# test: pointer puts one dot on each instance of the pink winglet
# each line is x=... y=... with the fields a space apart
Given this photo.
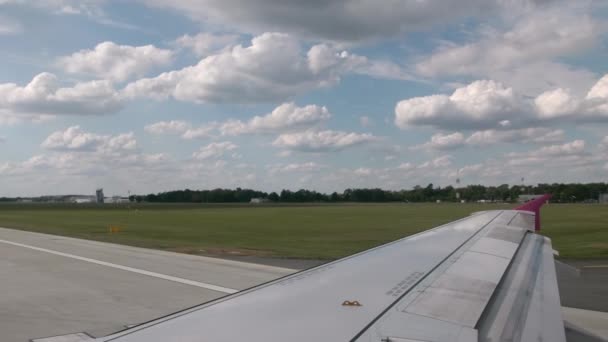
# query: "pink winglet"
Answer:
x=534 y=206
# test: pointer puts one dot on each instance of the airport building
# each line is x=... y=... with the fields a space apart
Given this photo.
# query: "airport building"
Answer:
x=99 y=195
x=603 y=198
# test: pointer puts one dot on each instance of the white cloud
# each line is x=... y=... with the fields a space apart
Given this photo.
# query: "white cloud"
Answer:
x=343 y=20
x=573 y=151
x=168 y=127
x=273 y=68
x=75 y=139
x=285 y=117
x=200 y=132
x=556 y=103
x=439 y=162
x=296 y=168
x=321 y=141
x=44 y=95
x=538 y=135
x=534 y=78
x=441 y=141
x=479 y=104
x=524 y=55
x=406 y=166
x=330 y=58
x=204 y=44
x=182 y=128
x=214 y=150
x=490 y=105
x=115 y=62
x=573 y=147
x=539 y=36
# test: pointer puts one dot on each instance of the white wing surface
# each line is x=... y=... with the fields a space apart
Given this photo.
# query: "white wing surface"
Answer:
x=487 y=277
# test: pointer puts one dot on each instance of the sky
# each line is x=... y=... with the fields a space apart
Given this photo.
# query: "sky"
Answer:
x=153 y=95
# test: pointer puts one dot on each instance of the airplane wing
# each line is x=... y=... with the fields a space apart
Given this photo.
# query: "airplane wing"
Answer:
x=487 y=277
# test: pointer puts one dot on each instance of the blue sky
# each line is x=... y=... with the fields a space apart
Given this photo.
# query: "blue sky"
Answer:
x=156 y=95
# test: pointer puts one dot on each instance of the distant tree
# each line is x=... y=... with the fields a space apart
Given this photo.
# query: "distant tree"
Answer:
x=273 y=197
x=430 y=193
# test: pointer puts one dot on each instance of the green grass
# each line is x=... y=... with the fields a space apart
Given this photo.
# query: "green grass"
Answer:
x=293 y=231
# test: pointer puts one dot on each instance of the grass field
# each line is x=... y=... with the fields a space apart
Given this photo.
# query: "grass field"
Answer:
x=302 y=231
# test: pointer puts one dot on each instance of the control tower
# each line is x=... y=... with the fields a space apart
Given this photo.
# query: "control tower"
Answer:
x=99 y=195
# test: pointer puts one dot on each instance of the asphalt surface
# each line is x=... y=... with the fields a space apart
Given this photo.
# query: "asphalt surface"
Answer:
x=583 y=284
x=53 y=285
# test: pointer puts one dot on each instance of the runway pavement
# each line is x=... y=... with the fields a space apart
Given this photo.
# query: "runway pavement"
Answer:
x=52 y=285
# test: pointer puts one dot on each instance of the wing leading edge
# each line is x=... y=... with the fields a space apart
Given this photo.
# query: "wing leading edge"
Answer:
x=486 y=277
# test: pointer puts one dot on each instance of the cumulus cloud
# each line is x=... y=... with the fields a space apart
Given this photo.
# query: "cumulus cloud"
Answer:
x=488 y=104
x=480 y=104
x=343 y=20
x=573 y=152
x=536 y=135
x=44 y=95
x=273 y=68
x=573 y=147
x=182 y=128
x=200 y=132
x=322 y=141
x=296 y=167
x=439 y=162
x=524 y=55
x=73 y=171
x=540 y=135
x=115 y=62
x=285 y=117
x=539 y=36
x=75 y=139
x=441 y=141
x=204 y=44
x=168 y=127
x=214 y=150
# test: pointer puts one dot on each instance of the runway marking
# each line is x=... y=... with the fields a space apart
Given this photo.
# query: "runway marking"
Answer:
x=127 y=268
x=596 y=266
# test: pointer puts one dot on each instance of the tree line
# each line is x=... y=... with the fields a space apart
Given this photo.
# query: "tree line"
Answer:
x=564 y=193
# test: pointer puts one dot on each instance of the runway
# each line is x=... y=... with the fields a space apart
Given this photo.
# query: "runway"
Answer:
x=52 y=285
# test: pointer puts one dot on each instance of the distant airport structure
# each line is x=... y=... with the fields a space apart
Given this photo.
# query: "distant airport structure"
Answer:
x=80 y=199
x=99 y=196
x=117 y=199
x=603 y=198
